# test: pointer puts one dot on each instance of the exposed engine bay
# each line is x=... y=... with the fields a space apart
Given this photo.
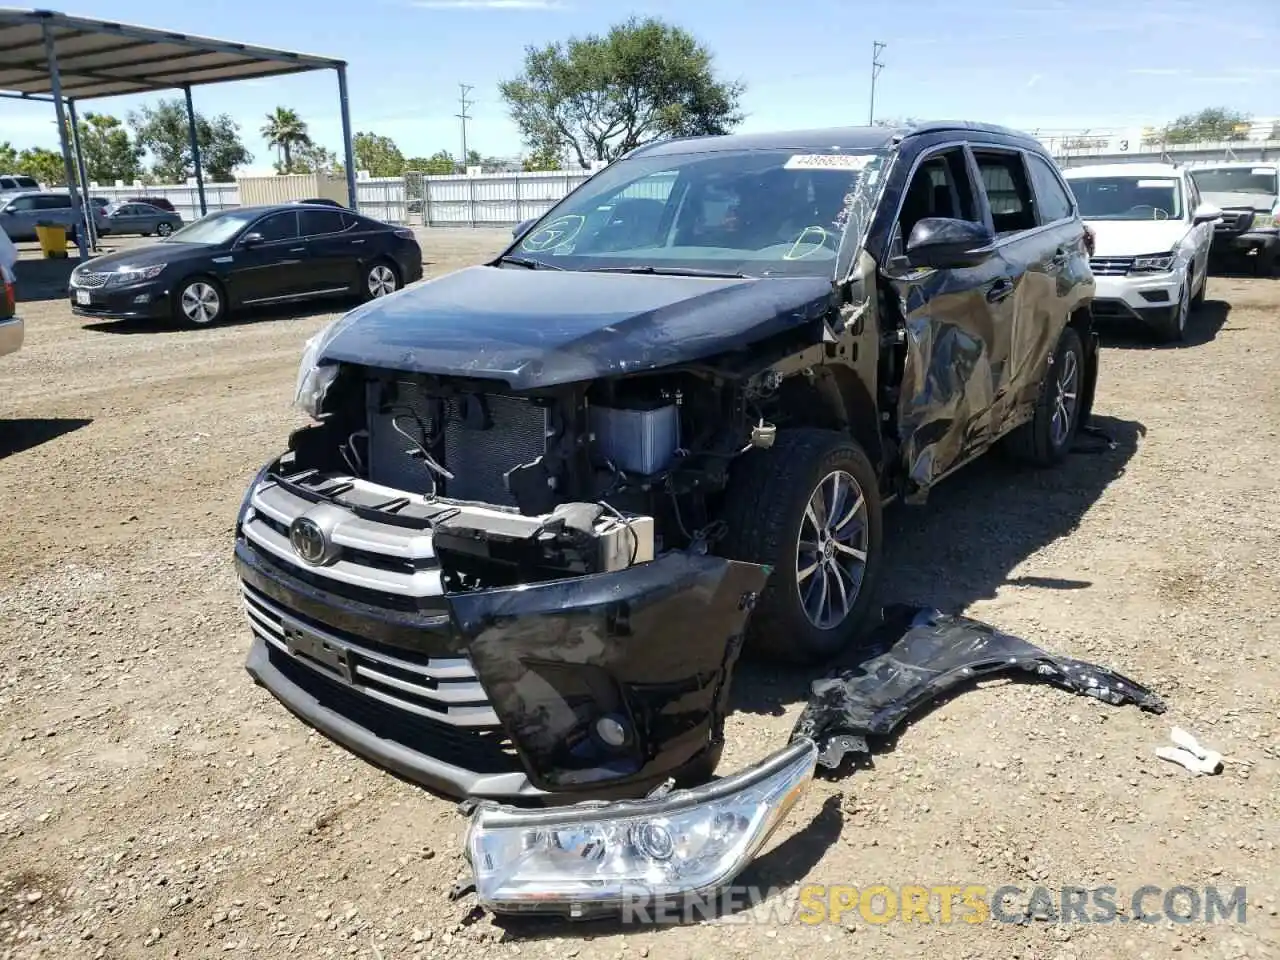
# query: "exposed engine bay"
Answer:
x=565 y=481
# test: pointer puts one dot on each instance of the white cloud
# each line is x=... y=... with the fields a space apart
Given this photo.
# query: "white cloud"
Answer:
x=1158 y=71
x=489 y=4
x=1034 y=79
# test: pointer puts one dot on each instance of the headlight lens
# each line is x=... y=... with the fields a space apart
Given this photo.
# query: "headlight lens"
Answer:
x=134 y=274
x=1157 y=263
x=594 y=858
x=1264 y=221
x=313 y=380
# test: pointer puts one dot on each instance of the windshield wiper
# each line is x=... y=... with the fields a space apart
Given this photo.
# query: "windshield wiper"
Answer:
x=531 y=264
x=671 y=271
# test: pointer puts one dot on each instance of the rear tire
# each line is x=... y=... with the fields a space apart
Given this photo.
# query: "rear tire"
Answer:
x=163 y=229
x=381 y=279
x=824 y=572
x=1045 y=440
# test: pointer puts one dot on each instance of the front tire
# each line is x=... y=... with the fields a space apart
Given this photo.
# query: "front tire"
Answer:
x=380 y=279
x=1173 y=328
x=809 y=507
x=199 y=302
x=1045 y=440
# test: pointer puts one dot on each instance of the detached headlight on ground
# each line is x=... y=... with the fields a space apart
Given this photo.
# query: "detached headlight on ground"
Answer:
x=594 y=858
x=1157 y=263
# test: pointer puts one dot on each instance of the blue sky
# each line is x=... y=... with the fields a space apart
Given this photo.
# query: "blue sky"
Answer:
x=1047 y=64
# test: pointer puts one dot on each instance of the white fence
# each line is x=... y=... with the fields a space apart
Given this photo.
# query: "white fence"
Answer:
x=503 y=199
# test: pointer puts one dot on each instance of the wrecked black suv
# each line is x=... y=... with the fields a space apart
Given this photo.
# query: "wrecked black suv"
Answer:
x=546 y=500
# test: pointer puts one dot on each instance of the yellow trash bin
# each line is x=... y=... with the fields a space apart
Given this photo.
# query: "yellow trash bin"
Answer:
x=53 y=239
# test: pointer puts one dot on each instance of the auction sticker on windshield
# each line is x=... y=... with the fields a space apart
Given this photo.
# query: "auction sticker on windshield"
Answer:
x=828 y=161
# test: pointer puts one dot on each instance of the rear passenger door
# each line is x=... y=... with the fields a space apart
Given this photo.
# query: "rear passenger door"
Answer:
x=333 y=250
x=1029 y=253
x=956 y=347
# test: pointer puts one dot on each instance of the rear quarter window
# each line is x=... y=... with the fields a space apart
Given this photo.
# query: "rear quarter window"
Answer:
x=1053 y=202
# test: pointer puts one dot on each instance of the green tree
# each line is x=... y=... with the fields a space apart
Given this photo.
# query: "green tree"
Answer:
x=45 y=165
x=286 y=132
x=1213 y=123
x=377 y=154
x=8 y=157
x=440 y=162
x=162 y=131
x=603 y=96
x=109 y=154
x=313 y=158
x=544 y=158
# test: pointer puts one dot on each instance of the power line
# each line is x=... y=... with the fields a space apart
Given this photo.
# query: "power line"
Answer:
x=464 y=117
x=877 y=47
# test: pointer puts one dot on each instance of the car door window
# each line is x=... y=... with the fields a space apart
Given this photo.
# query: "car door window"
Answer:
x=1004 y=179
x=279 y=226
x=940 y=187
x=1053 y=202
x=23 y=204
x=8 y=183
x=318 y=223
x=52 y=203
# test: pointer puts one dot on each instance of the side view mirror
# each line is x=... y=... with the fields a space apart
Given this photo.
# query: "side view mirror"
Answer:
x=943 y=243
x=1206 y=213
x=521 y=228
x=251 y=239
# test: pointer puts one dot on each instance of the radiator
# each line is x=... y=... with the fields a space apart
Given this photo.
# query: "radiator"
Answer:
x=477 y=457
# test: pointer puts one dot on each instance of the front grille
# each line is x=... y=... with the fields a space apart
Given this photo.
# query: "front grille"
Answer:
x=91 y=281
x=444 y=690
x=1234 y=221
x=478 y=449
x=481 y=751
x=1110 y=266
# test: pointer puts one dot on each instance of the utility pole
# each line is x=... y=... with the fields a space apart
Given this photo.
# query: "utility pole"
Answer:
x=464 y=117
x=877 y=47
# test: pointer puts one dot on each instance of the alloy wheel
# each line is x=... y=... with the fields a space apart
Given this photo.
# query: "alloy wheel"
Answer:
x=200 y=302
x=382 y=280
x=1065 y=398
x=831 y=550
x=164 y=229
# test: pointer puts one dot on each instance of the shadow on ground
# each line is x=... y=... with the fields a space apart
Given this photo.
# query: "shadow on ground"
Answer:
x=315 y=308
x=961 y=546
x=19 y=435
x=1202 y=327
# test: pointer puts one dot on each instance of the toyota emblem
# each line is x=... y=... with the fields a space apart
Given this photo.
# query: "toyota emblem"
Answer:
x=308 y=540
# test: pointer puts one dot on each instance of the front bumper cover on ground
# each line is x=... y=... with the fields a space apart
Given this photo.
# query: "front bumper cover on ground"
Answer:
x=917 y=655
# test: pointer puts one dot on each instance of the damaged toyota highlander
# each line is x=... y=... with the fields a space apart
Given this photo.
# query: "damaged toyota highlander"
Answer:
x=548 y=500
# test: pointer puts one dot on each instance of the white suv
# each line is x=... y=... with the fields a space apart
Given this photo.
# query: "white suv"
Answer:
x=1152 y=236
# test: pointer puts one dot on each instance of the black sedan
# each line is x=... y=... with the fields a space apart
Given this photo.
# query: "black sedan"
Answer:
x=247 y=257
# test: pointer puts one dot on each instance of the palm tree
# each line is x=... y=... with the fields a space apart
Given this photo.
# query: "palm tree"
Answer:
x=285 y=130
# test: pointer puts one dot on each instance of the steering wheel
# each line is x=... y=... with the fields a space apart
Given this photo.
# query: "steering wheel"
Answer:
x=810 y=240
x=1156 y=212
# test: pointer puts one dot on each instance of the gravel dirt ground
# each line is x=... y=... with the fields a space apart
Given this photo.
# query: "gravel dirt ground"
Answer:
x=155 y=803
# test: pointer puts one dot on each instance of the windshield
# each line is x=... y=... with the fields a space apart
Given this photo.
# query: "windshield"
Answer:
x=1259 y=180
x=1127 y=198
x=755 y=212
x=215 y=228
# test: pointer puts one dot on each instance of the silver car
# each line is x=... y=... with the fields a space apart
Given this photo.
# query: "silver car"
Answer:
x=142 y=218
x=12 y=184
x=20 y=213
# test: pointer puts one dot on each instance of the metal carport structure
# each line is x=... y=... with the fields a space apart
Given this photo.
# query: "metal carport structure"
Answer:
x=52 y=57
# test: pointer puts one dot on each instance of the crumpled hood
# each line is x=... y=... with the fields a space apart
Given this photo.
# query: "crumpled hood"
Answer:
x=535 y=328
x=1135 y=238
x=1241 y=201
